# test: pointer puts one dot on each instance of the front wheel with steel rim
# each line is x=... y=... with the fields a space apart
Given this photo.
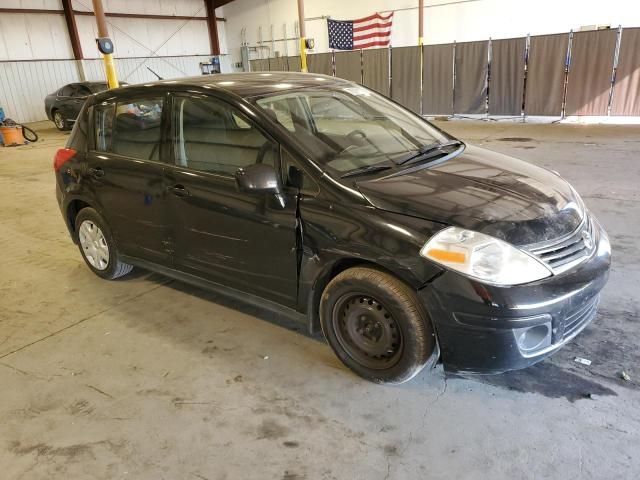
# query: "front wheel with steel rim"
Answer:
x=97 y=246
x=59 y=121
x=376 y=325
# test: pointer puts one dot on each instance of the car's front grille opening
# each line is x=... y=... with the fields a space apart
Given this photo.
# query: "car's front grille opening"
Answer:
x=568 y=251
x=579 y=318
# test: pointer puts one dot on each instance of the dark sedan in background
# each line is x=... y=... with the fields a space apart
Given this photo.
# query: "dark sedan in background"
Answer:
x=63 y=105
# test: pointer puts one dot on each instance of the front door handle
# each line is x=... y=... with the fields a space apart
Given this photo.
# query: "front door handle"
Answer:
x=179 y=190
x=96 y=172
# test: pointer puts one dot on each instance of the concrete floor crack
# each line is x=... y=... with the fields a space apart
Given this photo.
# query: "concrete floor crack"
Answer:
x=23 y=372
x=388 y=469
x=439 y=395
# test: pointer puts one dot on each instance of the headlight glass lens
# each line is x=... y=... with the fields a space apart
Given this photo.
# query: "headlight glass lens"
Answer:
x=483 y=257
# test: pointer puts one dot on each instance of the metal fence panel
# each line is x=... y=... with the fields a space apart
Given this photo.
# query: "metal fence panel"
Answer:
x=278 y=64
x=320 y=63
x=626 y=93
x=589 y=82
x=294 y=63
x=506 y=82
x=471 y=77
x=348 y=66
x=261 y=65
x=375 y=70
x=545 y=74
x=437 y=80
x=405 y=77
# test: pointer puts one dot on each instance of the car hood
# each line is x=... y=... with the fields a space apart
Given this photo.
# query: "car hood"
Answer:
x=484 y=191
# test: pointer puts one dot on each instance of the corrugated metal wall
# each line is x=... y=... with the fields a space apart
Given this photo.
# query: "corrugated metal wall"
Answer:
x=30 y=36
x=25 y=36
x=25 y=84
x=36 y=54
x=134 y=70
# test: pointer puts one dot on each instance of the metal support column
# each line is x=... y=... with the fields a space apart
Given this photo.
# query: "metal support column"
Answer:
x=212 y=26
x=103 y=32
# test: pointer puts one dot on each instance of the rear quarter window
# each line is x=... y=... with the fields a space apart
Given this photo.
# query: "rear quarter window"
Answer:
x=78 y=138
x=103 y=126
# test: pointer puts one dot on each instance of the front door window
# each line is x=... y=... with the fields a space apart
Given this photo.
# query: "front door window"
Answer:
x=212 y=137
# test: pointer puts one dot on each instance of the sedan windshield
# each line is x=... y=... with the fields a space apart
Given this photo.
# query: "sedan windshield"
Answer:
x=351 y=128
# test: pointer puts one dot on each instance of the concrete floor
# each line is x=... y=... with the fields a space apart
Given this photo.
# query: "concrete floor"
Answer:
x=147 y=378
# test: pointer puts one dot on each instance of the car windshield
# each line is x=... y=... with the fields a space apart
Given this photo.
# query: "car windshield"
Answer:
x=350 y=128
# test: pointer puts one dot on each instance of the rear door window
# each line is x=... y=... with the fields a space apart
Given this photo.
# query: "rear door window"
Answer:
x=131 y=129
x=136 y=130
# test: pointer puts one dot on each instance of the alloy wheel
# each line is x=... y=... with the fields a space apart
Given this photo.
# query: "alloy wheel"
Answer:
x=58 y=120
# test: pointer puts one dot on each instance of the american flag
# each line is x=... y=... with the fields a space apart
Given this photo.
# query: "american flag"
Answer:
x=371 y=31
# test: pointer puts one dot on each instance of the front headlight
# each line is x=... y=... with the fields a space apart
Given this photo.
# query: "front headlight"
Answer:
x=483 y=257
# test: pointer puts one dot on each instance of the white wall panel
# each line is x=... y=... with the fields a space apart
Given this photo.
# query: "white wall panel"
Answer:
x=29 y=36
x=25 y=84
x=42 y=4
x=134 y=37
x=149 y=7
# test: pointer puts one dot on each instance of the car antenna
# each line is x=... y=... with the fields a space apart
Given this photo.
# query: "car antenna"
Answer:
x=159 y=77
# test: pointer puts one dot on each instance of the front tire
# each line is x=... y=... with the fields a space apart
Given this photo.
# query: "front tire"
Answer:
x=377 y=326
x=97 y=246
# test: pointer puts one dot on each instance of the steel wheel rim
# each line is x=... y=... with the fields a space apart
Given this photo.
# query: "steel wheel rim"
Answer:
x=94 y=245
x=367 y=331
x=58 y=120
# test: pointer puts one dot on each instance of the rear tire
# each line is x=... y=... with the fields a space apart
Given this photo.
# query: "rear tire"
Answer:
x=97 y=247
x=377 y=326
x=60 y=122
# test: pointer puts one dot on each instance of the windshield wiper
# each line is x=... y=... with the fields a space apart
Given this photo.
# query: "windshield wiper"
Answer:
x=365 y=169
x=428 y=151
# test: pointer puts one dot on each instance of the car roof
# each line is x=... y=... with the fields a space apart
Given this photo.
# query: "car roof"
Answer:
x=247 y=84
x=86 y=83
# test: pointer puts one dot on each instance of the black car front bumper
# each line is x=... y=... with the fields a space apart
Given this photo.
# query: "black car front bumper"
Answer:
x=489 y=329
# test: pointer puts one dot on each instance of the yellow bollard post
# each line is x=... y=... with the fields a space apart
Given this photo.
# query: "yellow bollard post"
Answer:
x=303 y=39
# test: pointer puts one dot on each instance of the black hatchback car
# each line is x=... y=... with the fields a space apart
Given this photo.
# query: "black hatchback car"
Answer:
x=323 y=199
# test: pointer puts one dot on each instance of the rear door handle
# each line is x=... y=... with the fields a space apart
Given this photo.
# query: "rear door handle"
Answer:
x=96 y=172
x=179 y=190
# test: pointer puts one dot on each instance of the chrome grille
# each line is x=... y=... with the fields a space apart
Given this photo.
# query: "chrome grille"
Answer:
x=562 y=254
x=578 y=319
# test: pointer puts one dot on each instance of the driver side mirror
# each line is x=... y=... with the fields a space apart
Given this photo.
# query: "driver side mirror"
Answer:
x=260 y=178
